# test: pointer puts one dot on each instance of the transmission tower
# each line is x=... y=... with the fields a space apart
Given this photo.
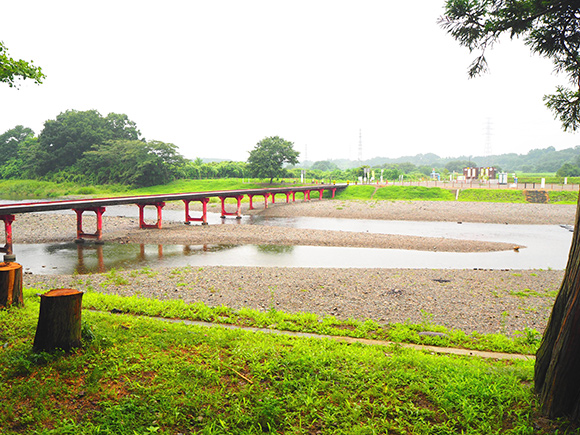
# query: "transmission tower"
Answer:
x=360 y=145
x=487 y=132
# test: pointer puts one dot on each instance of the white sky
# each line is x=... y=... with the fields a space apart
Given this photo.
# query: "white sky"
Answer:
x=216 y=77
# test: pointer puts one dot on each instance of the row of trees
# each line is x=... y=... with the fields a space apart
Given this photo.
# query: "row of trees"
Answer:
x=89 y=148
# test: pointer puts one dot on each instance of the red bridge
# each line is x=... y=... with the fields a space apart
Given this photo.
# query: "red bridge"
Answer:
x=98 y=206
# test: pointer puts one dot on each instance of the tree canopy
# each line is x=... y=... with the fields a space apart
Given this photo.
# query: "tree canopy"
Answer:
x=12 y=70
x=64 y=140
x=132 y=162
x=89 y=148
x=550 y=28
x=268 y=157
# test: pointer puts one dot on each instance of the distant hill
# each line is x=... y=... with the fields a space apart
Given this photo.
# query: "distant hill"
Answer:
x=537 y=160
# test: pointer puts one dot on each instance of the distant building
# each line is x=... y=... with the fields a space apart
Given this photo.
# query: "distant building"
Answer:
x=481 y=173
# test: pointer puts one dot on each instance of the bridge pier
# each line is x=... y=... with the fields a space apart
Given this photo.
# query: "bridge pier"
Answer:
x=97 y=235
x=203 y=218
x=265 y=195
x=238 y=213
x=7 y=249
x=157 y=225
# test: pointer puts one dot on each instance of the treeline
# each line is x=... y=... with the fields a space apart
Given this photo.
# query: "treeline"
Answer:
x=535 y=161
x=87 y=148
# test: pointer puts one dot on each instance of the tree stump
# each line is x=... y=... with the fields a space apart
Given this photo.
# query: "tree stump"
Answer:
x=10 y=285
x=59 y=322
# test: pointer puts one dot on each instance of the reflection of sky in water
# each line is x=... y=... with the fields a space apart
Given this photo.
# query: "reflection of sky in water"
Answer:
x=547 y=246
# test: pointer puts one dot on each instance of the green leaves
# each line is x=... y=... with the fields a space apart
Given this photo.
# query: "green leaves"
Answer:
x=12 y=70
x=565 y=104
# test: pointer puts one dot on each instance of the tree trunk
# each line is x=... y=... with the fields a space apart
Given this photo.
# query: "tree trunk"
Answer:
x=59 y=322
x=10 y=285
x=557 y=369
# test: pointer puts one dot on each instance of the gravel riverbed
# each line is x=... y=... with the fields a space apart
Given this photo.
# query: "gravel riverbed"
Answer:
x=470 y=300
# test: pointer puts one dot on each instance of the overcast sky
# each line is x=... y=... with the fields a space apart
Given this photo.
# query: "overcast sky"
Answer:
x=216 y=77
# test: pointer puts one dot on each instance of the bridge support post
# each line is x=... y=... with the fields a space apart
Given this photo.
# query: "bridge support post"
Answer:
x=266 y=195
x=238 y=213
x=251 y=203
x=203 y=218
x=81 y=235
x=307 y=195
x=333 y=192
x=320 y=192
x=7 y=249
x=157 y=225
x=293 y=196
x=287 y=196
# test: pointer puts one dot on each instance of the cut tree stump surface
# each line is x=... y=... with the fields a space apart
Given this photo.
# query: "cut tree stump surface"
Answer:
x=61 y=292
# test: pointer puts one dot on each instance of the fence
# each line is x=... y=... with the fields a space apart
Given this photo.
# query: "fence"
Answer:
x=487 y=185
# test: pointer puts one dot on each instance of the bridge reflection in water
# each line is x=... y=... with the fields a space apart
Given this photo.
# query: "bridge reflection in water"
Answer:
x=97 y=258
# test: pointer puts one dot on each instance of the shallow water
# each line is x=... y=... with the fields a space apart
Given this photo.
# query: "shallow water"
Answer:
x=547 y=247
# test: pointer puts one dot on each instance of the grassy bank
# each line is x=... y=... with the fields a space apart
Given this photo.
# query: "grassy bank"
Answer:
x=524 y=342
x=32 y=189
x=142 y=376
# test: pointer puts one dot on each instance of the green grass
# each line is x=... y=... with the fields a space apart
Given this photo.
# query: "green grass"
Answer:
x=411 y=193
x=33 y=189
x=356 y=192
x=185 y=186
x=563 y=197
x=489 y=195
x=550 y=178
x=142 y=376
x=525 y=342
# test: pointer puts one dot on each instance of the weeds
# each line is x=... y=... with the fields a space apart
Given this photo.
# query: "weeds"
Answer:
x=114 y=278
x=308 y=322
